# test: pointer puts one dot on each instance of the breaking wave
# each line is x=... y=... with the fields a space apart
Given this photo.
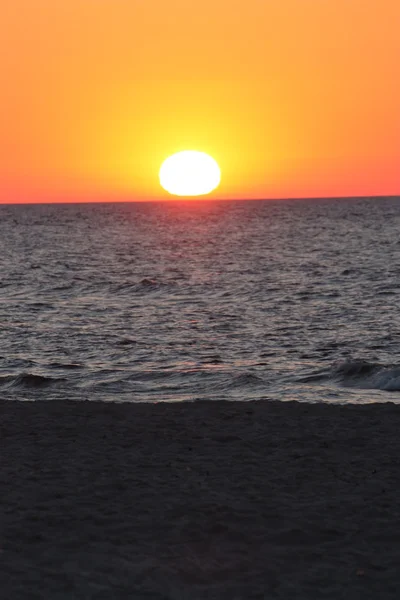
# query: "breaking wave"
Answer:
x=359 y=374
x=29 y=380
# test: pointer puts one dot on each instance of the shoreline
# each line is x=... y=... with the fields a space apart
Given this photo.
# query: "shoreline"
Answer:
x=199 y=500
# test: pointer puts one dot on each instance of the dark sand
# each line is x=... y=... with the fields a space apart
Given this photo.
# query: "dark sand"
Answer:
x=199 y=501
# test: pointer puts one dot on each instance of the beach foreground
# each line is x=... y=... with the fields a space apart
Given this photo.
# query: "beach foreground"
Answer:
x=199 y=500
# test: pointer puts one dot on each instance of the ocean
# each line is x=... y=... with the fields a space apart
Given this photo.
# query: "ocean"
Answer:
x=184 y=301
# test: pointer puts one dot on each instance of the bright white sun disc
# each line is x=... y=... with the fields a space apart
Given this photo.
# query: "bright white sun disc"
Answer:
x=190 y=173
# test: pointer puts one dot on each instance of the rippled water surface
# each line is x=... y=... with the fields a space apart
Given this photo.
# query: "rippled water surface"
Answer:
x=183 y=301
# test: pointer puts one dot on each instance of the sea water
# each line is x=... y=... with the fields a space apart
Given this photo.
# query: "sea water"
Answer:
x=180 y=301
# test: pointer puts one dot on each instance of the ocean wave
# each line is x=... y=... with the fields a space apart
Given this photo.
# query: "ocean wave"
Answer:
x=246 y=380
x=359 y=374
x=29 y=380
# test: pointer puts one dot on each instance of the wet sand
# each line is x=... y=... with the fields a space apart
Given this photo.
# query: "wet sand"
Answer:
x=199 y=501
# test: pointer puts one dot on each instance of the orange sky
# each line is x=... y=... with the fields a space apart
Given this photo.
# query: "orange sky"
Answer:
x=291 y=97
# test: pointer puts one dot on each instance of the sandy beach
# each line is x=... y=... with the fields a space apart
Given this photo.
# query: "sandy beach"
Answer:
x=196 y=501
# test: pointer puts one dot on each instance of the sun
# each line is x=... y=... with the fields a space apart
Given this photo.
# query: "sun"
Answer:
x=189 y=173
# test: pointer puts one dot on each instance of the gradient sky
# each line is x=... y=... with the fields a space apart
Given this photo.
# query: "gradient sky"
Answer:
x=291 y=97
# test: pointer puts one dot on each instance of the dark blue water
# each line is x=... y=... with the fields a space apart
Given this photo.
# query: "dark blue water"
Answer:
x=284 y=300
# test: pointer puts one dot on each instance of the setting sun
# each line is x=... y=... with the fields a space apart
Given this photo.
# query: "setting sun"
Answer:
x=190 y=173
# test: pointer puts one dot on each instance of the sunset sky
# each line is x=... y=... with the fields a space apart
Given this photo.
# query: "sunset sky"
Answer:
x=293 y=98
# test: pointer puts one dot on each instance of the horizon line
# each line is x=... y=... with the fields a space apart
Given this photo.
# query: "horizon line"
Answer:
x=202 y=199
